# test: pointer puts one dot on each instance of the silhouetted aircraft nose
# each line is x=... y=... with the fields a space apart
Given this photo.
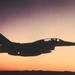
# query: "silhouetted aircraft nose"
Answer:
x=64 y=43
x=70 y=43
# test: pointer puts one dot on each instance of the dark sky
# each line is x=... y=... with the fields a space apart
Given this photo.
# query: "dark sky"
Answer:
x=10 y=7
x=14 y=8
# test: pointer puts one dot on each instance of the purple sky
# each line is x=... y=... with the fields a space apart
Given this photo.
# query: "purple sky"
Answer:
x=28 y=8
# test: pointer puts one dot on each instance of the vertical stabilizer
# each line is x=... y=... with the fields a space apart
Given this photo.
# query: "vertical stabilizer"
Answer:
x=3 y=39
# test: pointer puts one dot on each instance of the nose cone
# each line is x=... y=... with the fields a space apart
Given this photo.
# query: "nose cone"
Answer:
x=70 y=43
x=65 y=43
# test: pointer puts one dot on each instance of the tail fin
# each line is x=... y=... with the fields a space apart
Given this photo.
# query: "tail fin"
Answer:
x=3 y=40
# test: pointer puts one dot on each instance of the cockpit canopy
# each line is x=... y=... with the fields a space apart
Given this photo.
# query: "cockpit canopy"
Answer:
x=53 y=39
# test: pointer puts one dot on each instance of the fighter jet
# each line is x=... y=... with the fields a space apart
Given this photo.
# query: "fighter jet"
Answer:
x=33 y=48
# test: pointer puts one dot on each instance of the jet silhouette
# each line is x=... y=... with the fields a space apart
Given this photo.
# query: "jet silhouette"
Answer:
x=31 y=49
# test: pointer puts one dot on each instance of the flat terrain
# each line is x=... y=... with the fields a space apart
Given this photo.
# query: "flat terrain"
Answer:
x=36 y=73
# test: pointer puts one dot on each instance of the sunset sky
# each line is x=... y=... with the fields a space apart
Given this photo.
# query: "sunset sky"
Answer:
x=26 y=21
